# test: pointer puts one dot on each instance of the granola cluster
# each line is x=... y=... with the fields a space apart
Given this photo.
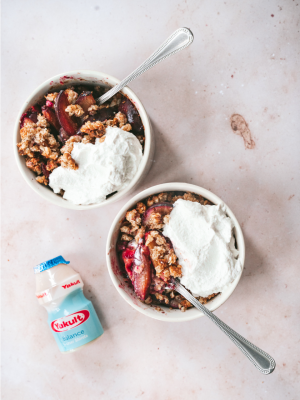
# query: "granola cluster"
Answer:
x=146 y=228
x=163 y=257
x=40 y=147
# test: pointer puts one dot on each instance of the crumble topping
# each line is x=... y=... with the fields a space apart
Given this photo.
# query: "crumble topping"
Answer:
x=34 y=164
x=66 y=160
x=36 y=140
x=68 y=147
x=141 y=208
x=88 y=139
x=72 y=96
x=160 y=198
x=51 y=165
x=42 y=122
x=126 y=237
x=127 y=128
x=140 y=234
x=51 y=97
x=93 y=129
x=133 y=217
x=162 y=255
x=121 y=118
x=42 y=179
x=75 y=109
x=92 y=110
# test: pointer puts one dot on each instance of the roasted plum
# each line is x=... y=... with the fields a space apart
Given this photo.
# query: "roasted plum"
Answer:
x=33 y=117
x=128 y=257
x=51 y=117
x=159 y=208
x=142 y=271
x=63 y=136
x=44 y=170
x=133 y=117
x=35 y=110
x=103 y=114
x=26 y=121
x=68 y=123
x=85 y=100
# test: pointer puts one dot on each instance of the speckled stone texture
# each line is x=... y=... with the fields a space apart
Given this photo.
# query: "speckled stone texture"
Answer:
x=245 y=61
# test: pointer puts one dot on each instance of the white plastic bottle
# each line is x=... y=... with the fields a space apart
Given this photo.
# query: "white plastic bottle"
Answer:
x=71 y=316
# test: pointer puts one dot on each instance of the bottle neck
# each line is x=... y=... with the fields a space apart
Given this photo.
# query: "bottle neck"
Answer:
x=61 y=290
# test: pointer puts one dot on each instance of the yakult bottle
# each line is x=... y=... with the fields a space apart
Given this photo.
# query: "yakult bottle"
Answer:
x=71 y=316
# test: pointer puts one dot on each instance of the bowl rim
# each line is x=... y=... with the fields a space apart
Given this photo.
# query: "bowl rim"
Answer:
x=165 y=187
x=104 y=78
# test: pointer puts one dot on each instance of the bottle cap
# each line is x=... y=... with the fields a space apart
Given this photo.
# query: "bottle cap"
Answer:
x=49 y=264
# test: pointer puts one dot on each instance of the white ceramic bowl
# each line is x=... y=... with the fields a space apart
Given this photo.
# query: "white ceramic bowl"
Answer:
x=118 y=279
x=62 y=81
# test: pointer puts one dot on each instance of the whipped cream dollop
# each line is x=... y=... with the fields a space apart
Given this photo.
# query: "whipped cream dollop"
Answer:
x=103 y=168
x=203 y=241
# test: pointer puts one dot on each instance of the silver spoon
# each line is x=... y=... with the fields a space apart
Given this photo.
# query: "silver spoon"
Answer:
x=179 y=40
x=261 y=360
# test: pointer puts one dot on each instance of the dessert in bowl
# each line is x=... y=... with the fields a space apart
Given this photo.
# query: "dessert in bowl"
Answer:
x=175 y=231
x=77 y=154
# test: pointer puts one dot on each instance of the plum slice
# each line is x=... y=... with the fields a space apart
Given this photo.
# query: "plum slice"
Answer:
x=51 y=117
x=133 y=117
x=68 y=123
x=44 y=170
x=36 y=109
x=128 y=257
x=160 y=208
x=142 y=271
x=85 y=100
x=103 y=114
x=63 y=136
x=34 y=117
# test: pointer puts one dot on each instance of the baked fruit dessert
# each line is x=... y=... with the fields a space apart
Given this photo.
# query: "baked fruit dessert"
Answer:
x=177 y=235
x=70 y=119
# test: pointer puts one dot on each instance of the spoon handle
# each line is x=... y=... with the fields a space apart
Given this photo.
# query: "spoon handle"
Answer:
x=261 y=360
x=180 y=39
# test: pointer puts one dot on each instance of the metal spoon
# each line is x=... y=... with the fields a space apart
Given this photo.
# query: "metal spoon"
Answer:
x=261 y=360
x=179 y=40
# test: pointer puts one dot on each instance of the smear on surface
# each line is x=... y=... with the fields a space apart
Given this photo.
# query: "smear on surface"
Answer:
x=240 y=127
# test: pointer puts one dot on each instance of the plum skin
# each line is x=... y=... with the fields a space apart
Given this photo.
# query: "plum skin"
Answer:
x=142 y=271
x=66 y=122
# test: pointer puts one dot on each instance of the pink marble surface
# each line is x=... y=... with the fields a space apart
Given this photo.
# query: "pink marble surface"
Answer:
x=245 y=60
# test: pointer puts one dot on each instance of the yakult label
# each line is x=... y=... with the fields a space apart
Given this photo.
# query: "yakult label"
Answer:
x=71 y=284
x=70 y=321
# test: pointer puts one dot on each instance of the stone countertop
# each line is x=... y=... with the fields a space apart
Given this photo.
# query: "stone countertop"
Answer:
x=244 y=60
